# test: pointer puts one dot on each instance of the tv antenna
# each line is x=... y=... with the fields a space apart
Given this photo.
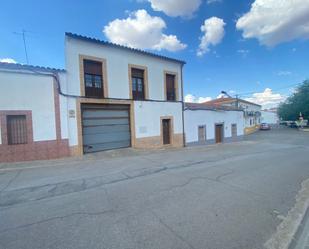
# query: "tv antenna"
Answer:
x=23 y=34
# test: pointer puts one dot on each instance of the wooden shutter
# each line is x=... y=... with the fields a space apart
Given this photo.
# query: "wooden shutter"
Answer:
x=137 y=73
x=92 y=67
x=17 y=129
x=170 y=87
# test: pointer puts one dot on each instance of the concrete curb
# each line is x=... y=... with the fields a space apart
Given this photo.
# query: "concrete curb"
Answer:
x=286 y=231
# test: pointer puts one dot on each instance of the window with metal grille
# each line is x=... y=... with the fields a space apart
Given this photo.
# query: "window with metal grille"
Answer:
x=93 y=78
x=137 y=84
x=170 y=87
x=17 y=129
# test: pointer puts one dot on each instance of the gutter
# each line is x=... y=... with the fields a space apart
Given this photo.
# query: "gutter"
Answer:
x=183 y=109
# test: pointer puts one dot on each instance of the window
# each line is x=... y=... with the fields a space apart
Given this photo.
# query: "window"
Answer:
x=170 y=87
x=93 y=79
x=138 y=91
x=17 y=129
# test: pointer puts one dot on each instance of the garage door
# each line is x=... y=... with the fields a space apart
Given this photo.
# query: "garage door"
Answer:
x=105 y=127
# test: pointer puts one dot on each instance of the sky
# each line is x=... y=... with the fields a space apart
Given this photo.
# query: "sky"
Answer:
x=258 y=49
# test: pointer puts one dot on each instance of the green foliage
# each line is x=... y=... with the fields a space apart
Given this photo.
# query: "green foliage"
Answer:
x=298 y=102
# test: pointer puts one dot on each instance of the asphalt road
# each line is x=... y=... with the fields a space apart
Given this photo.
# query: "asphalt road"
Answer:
x=216 y=197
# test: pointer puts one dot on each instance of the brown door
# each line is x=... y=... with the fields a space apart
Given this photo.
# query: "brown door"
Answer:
x=234 y=130
x=219 y=133
x=202 y=133
x=166 y=124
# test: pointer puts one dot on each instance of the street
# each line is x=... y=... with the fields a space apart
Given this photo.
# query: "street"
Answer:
x=226 y=196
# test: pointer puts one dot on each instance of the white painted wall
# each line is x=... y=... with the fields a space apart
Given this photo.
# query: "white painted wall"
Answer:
x=196 y=118
x=251 y=108
x=147 y=117
x=20 y=91
x=117 y=68
x=269 y=117
x=147 y=114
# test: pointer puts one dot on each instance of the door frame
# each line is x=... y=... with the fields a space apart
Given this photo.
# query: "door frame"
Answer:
x=198 y=134
x=79 y=147
x=171 y=118
x=222 y=134
x=235 y=135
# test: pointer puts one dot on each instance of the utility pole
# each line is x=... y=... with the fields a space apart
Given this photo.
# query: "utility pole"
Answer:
x=23 y=34
x=237 y=100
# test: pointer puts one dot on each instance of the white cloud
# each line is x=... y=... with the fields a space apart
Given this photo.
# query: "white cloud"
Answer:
x=8 y=60
x=213 y=1
x=140 y=30
x=273 y=22
x=170 y=43
x=284 y=73
x=267 y=98
x=213 y=29
x=184 y=8
x=189 y=98
x=221 y=95
x=243 y=52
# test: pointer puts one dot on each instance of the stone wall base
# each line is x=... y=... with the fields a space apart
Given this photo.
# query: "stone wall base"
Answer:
x=250 y=130
x=41 y=150
x=157 y=143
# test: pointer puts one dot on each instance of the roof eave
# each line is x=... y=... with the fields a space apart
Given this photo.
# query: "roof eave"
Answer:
x=105 y=43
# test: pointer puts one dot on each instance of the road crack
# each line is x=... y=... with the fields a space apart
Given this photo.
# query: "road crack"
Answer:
x=57 y=218
x=11 y=181
x=172 y=230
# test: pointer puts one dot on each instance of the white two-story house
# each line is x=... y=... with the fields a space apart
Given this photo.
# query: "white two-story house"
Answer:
x=121 y=97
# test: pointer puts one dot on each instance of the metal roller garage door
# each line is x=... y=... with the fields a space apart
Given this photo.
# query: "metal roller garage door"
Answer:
x=105 y=127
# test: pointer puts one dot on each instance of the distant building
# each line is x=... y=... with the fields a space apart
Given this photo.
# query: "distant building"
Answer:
x=251 y=111
x=270 y=116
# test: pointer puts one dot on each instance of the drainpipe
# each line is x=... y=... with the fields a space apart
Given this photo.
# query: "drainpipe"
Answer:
x=183 y=110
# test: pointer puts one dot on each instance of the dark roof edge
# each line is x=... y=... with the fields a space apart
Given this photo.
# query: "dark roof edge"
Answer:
x=197 y=106
x=16 y=66
x=110 y=44
x=249 y=102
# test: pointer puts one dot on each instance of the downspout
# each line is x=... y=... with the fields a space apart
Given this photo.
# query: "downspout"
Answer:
x=183 y=110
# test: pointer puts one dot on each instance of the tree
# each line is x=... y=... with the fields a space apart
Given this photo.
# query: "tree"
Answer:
x=298 y=102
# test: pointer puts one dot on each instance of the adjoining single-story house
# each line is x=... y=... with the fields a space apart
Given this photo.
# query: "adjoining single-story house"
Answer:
x=33 y=115
x=108 y=97
x=206 y=124
x=252 y=111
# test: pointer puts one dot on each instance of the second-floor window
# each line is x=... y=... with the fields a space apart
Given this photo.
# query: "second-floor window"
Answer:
x=138 y=84
x=170 y=87
x=93 y=79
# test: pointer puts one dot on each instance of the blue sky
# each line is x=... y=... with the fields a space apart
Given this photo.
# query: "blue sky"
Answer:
x=232 y=62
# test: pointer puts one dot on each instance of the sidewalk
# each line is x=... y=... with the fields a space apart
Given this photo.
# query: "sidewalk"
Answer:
x=302 y=237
